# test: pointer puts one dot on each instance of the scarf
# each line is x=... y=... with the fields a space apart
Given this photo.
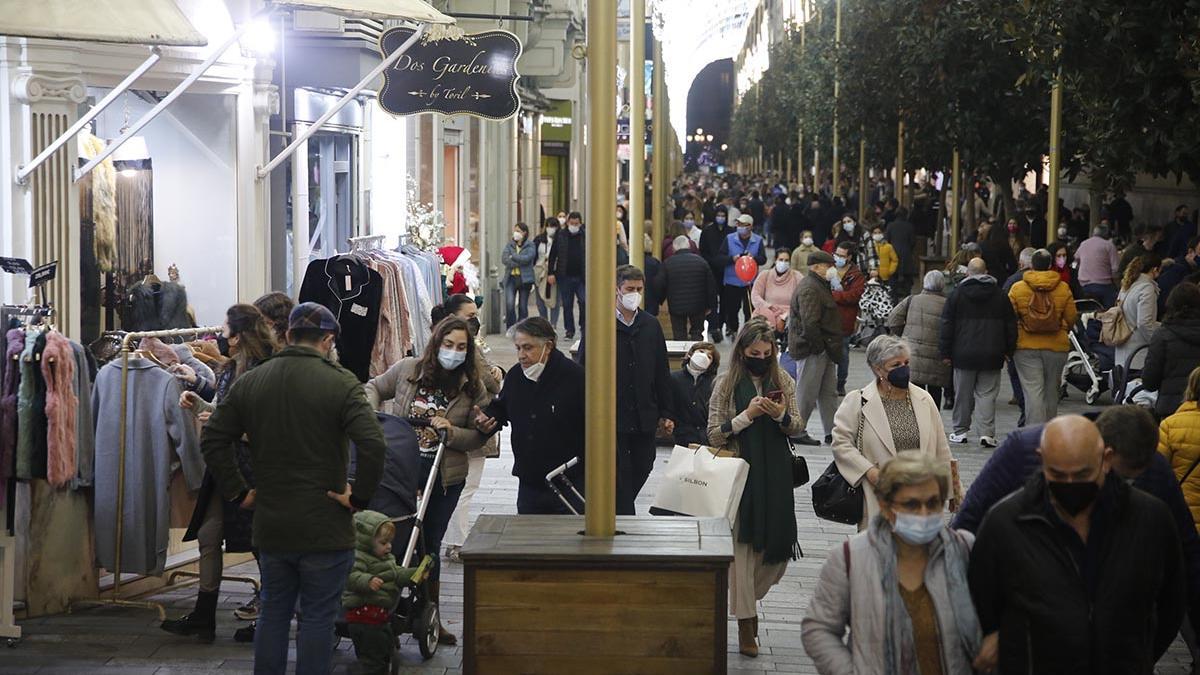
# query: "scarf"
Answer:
x=899 y=652
x=766 y=515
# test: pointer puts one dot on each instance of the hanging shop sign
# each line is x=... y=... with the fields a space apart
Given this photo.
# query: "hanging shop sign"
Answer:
x=43 y=274
x=15 y=265
x=472 y=75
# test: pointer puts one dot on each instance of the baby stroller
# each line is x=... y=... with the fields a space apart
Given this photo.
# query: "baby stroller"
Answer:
x=1090 y=363
x=559 y=475
x=396 y=497
x=873 y=310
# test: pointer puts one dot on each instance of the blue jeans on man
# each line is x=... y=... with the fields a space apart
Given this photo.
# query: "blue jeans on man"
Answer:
x=570 y=289
x=318 y=579
x=1105 y=293
x=843 y=368
x=516 y=301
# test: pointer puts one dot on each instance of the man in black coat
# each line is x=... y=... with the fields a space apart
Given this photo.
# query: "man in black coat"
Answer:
x=903 y=237
x=782 y=234
x=712 y=238
x=686 y=282
x=978 y=331
x=645 y=396
x=758 y=210
x=1077 y=572
x=543 y=400
x=568 y=269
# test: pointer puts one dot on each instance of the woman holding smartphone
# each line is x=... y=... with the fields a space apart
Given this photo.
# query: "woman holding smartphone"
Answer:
x=753 y=412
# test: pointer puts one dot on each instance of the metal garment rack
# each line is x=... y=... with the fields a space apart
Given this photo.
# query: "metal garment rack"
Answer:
x=125 y=349
x=367 y=242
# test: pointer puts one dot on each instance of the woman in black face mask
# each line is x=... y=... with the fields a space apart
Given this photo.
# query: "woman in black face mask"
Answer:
x=753 y=412
x=883 y=418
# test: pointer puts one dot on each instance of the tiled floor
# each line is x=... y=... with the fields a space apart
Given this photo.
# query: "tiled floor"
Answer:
x=129 y=641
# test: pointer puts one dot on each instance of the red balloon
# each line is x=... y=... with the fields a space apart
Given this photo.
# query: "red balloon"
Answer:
x=746 y=268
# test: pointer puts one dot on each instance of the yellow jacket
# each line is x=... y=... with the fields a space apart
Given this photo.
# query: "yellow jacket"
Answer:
x=1022 y=294
x=1179 y=442
x=889 y=262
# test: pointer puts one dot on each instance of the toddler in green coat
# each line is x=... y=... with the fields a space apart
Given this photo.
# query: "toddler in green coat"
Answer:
x=373 y=590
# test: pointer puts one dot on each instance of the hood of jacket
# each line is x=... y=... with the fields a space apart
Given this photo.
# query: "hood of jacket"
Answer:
x=978 y=288
x=1187 y=329
x=366 y=524
x=1046 y=280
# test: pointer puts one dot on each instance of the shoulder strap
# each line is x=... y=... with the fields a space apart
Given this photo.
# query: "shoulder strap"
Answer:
x=1189 y=471
x=846 y=553
x=862 y=404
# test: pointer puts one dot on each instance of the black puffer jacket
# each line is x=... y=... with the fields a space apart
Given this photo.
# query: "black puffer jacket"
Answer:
x=1174 y=353
x=692 y=395
x=644 y=392
x=978 y=325
x=686 y=282
x=1025 y=583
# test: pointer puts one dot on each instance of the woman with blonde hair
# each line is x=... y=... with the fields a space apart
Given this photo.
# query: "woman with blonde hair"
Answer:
x=1138 y=300
x=885 y=417
x=753 y=412
x=900 y=587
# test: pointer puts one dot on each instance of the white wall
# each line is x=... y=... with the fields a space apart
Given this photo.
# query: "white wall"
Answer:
x=192 y=146
x=389 y=172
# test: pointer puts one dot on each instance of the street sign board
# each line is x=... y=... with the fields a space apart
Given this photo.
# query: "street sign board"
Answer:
x=475 y=75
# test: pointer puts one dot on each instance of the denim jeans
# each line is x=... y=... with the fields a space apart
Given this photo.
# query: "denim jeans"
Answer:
x=571 y=288
x=843 y=368
x=318 y=578
x=516 y=301
x=1105 y=293
x=437 y=516
x=550 y=313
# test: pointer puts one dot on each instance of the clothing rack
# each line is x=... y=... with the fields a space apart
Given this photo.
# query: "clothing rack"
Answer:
x=366 y=242
x=126 y=341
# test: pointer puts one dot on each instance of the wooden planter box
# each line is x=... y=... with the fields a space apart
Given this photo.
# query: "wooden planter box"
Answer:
x=541 y=598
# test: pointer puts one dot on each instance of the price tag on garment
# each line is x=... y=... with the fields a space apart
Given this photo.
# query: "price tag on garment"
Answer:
x=43 y=274
x=15 y=265
x=349 y=283
x=358 y=309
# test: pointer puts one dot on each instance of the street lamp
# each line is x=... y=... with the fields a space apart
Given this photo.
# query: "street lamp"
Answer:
x=699 y=131
x=689 y=138
x=708 y=138
x=724 y=147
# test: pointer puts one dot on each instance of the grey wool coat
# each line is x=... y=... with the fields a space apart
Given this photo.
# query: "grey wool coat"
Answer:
x=158 y=434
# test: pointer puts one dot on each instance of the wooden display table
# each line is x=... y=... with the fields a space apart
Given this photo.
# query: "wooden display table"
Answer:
x=542 y=598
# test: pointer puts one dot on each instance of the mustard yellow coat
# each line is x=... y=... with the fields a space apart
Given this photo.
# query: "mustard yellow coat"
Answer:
x=1179 y=442
x=1021 y=296
x=889 y=262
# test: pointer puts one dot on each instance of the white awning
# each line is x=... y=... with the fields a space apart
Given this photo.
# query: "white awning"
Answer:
x=145 y=22
x=379 y=10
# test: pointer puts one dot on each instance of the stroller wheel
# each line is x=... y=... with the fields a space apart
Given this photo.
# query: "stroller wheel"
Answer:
x=1091 y=397
x=426 y=626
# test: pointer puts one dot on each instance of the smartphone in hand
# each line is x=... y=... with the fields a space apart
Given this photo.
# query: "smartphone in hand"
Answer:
x=776 y=396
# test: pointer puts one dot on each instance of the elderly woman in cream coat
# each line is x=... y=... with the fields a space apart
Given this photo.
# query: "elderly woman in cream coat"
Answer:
x=883 y=418
x=900 y=587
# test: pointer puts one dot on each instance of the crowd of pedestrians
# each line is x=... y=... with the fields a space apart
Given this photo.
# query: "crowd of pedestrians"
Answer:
x=1074 y=550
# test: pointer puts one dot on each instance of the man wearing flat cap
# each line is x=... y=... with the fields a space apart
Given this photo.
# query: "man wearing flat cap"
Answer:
x=815 y=342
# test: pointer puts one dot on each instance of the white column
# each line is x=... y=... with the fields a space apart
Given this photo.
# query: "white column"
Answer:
x=256 y=102
x=300 y=233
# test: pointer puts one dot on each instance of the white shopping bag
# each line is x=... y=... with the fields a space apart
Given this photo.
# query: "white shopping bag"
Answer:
x=701 y=485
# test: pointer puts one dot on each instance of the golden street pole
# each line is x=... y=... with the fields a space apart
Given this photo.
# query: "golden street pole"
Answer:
x=1055 y=159
x=600 y=369
x=862 y=177
x=836 y=166
x=956 y=210
x=661 y=128
x=900 y=164
x=637 y=130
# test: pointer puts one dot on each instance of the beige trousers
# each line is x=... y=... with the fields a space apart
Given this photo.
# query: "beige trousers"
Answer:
x=750 y=579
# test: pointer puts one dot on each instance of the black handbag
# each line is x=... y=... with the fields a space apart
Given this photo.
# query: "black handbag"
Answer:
x=799 y=470
x=833 y=497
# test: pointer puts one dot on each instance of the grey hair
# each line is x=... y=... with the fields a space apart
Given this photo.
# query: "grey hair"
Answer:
x=1026 y=257
x=934 y=281
x=912 y=467
x=884 y=348
x=681 y=242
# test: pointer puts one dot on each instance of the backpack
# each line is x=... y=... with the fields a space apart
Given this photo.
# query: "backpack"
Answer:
x=1114 y=328
x=1043 y=316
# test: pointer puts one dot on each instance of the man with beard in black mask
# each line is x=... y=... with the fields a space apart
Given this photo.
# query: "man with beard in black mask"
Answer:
x=1077 y=572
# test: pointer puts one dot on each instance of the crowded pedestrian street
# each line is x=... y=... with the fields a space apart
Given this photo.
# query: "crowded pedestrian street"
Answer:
x=599 y=337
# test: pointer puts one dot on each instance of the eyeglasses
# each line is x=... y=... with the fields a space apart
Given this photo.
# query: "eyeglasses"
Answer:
x=933 y=504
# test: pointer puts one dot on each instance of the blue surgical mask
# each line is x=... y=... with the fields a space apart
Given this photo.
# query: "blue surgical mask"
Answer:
x=918 y=530
x=720 y=220
x=839 y=261
x=743 y=230
x=451 y=359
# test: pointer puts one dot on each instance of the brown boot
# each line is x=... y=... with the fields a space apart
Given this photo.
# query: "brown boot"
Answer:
x=755 y=620
x=746 y=643
x=445 y=637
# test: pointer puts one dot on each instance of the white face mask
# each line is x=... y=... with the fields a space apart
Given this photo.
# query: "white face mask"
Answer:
x=848 y=226
x=518 y=236
x=562 y=220
x=451 y=359
x=535 y=371
x=877 y=237
x=700 y=361
x=807 y=241
x=573 y=229
x=631 y=301
x=782 y=266
x=551 y=231
x=918 y=530
x=831 y=273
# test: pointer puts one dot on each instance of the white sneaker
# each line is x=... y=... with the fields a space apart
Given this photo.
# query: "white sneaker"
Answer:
x=987 y=441
x=958 y=438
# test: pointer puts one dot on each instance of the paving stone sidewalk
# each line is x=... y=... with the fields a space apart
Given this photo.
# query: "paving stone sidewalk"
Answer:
x=128 y=641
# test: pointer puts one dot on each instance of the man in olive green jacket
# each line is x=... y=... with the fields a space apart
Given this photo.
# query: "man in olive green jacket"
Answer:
x=297 y=409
